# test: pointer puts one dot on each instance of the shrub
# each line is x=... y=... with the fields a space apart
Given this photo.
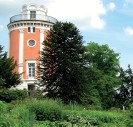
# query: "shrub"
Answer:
x=3 y=107
x=45 y=110
x=129 y=121
x=8 y=95
x=93 y=117
x=19 y=116
x=73 y=106
x=4 y=116
x=53 y=124
x=23 y=115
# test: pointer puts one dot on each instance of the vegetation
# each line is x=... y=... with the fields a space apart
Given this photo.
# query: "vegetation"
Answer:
x=9 y=95
x=101 y=73
x=124 y=94
x=22 y=114
x=45 y=110
x=62 y=63
x=8 y=78
x=87 y=86
x=73 y=72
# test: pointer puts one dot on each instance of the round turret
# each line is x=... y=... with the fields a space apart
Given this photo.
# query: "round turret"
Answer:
x=27 y=31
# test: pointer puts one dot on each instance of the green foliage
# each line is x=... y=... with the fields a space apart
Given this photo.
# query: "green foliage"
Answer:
x=103 y=58
x=129 y=121
x=73 y=106
x=46 y=110
x=61 y=68
x=19 y=116
x=101 y=116
x=9 y=95
x=3 y=107
x=4 y=116
x=101 y=74
x=23 y=114
x=53 y=124
x=124 y=94
x=82 y=121
x=8 y=78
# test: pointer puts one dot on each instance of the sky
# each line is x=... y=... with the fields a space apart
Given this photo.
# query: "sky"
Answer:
x=102 y=21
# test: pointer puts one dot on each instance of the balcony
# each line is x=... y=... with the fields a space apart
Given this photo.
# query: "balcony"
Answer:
x=29 y=17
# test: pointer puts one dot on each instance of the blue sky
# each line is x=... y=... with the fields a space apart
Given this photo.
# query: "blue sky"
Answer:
x=103 y=21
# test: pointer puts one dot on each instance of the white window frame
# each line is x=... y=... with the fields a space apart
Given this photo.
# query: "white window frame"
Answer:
x=30 y=45
x=31 y=29
x=33 y=15
x=27 y=69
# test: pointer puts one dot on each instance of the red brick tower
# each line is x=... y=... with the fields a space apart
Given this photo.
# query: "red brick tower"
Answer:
x=26 y=33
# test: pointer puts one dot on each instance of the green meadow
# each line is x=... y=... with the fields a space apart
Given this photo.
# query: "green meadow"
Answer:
x=53 y=113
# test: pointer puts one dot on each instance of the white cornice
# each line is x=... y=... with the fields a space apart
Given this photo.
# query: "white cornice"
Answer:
x=26 y=24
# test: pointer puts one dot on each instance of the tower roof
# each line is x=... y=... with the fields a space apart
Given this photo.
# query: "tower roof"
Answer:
x=33 y=12
x=33 y=7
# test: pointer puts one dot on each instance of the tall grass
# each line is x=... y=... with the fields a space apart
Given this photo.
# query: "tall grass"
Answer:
x=53 y=113
x=73 y=106
x=18 y=116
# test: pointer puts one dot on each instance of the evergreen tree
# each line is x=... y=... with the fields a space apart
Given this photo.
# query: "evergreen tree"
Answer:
x=61 y=69
x=129 y=80
x=8 y=78
x=124 y=94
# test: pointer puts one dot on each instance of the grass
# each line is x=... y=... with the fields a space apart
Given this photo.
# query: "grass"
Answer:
x=55 y=114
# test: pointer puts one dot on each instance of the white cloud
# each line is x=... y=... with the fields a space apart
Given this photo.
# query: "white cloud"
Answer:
x=129 y=1
x=86 y=14
x=6 y=1
x=87 y=10
x=1 y=27
x=128 y=30
x=111 y=6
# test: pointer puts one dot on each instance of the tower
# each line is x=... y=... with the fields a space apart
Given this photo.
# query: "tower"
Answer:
x=27 y=31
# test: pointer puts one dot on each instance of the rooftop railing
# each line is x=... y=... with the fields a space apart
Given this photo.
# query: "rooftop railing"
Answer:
x=22 y=17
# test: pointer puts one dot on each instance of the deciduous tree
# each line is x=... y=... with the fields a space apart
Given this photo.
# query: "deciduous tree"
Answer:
x=104 y=65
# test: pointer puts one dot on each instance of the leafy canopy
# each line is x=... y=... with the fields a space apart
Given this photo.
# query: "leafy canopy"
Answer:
x=103 y=67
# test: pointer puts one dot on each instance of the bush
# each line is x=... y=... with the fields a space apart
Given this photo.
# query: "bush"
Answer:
x=3 y=107
x=4 y=117
x=53 y=124
x=74 y=106
x=8 y=95
x=92 y=117
x=23 y=115
x=129 y=121
x=45 y=110
x=18 y=116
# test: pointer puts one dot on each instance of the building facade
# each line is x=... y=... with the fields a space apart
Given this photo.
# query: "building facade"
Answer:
x=27 y=31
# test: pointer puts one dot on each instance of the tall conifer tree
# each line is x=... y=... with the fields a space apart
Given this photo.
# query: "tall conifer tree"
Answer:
x=8 y=78
x=61 y=68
